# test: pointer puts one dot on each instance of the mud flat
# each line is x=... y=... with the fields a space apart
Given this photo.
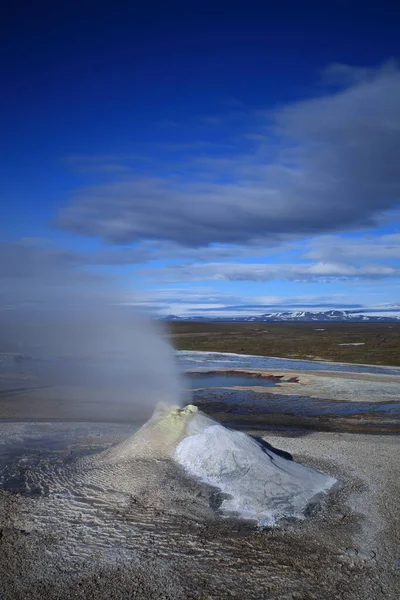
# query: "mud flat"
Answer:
x=164 y=540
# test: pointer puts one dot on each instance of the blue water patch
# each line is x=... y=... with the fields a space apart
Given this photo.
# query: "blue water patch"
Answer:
x=190 y=360
x=211 y=380
x=243 y=402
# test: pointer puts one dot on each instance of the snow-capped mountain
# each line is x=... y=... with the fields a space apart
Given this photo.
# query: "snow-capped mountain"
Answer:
x=305 y=316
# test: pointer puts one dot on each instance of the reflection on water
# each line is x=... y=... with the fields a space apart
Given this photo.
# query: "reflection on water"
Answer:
x=216 y=380
x=246 y=402
x=190 y=360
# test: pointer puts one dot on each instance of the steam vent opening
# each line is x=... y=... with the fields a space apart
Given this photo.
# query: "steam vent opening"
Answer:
x=257 y=483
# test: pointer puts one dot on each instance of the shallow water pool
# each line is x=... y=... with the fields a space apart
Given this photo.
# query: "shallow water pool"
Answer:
x=211 y=380
x=193 y=359
x=247 y=402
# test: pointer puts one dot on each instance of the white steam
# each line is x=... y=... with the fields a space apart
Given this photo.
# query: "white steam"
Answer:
x=96 y=354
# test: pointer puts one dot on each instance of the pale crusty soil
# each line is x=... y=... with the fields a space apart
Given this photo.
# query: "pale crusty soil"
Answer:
x=346 y=550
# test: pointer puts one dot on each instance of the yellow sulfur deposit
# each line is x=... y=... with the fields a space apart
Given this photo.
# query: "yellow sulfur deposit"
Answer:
x=158 y=437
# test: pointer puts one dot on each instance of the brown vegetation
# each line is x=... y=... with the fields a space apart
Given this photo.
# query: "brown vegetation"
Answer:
x=380 y=341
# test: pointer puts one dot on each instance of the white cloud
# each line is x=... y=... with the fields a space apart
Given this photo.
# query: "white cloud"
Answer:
x=186 y=301
x=377 y=247
x=319 y=271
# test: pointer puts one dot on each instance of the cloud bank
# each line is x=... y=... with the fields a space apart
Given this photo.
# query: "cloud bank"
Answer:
x=330 y=164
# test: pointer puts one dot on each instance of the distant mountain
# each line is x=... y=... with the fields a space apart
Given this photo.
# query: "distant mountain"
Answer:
x=331 y=316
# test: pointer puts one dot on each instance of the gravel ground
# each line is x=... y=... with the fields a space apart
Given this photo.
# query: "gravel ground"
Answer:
x=373 y=473
x=161 y=537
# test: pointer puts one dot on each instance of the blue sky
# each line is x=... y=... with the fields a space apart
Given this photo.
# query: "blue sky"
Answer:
x=201 y=158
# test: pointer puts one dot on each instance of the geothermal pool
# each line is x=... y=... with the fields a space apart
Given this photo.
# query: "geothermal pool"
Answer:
x=217 y=380
x=249 y=402
x=354 y=397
